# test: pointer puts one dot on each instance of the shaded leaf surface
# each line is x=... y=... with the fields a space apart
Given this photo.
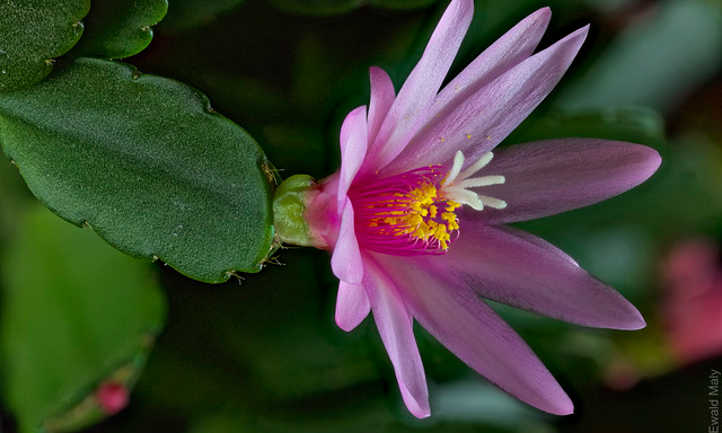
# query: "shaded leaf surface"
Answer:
x=316 y=7
x=402 y=4
x=146 y=163
x=75 y=312
x=32 y=34
x=185 y=14
x=116 y=29
x=332 y=7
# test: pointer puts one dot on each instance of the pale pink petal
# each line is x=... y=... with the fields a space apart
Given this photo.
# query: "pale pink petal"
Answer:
x=422 y=85
x=346 y=260
x=481 y=121
x=456 y=316
x=552 y=176
x=382 y=96
x=514 y=46
x=352 y=305
x=353 y=150
x=395 y=326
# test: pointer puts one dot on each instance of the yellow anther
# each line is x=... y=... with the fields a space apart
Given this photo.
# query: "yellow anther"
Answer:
x=422 y=219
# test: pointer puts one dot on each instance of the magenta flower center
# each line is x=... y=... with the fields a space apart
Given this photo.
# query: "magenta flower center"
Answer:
x=406 y=214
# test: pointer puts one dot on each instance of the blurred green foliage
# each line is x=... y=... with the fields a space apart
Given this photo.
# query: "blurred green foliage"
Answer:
x=74 y=312
x=184 y=14
x=316 y=7
x=680 y=43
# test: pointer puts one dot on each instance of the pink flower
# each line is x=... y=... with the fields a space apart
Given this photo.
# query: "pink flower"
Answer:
x=415 y=215
x=693 y=301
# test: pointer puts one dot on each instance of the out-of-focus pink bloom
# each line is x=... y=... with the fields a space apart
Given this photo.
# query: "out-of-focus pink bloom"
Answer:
x=112 y=397
x=621 y=375
x=414 y=217
x=692 y=308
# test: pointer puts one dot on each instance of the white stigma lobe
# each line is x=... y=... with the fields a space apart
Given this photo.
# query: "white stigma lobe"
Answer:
x=457 y=183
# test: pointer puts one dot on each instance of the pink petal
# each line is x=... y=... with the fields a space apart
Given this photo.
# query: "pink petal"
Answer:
x=456 y=316
x=352 y=306
x=420 y=88
x=353 y=150
x=395 y=326
x=514 y=46
x=552 y=176
x=321 y=213
x=511 y=48
x=382 y=96
x=523 y=271
x=478 y=123
x=346 y=260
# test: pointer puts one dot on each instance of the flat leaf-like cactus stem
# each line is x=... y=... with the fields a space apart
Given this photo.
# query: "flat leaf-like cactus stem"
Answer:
x=146 y=163
x=32 y=34
x=116 y=29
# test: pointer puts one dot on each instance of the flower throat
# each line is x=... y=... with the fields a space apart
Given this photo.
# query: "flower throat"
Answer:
x=406 y=214
x=414 y=212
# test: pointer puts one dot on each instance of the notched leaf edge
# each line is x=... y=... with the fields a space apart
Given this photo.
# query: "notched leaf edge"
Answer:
x=267 y=168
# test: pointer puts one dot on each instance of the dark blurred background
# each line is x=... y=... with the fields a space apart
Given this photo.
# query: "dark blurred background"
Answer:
x=262 y=353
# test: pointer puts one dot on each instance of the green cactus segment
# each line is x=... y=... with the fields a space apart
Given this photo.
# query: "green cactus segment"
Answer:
x=116 y=29
x=147 y=164
x=32 y=34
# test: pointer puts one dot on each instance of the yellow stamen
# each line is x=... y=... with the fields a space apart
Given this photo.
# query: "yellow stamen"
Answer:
x=422 y=219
